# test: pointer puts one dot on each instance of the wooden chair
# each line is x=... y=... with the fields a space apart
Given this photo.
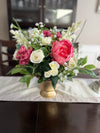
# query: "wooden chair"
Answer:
x=8 y=63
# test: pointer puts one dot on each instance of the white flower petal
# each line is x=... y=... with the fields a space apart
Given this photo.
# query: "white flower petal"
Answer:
x=37 y=56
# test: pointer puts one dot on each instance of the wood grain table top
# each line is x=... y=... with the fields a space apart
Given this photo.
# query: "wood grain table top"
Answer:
x=48 y=117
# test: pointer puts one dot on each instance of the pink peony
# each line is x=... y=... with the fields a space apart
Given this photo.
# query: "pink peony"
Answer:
x=62 y=51
x=47 y=33
x=58 y=35
x=23 y=55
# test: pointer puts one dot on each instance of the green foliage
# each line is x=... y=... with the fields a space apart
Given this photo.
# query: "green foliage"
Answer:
x=89 y=67
x=42 y=67
x=35 y=47
x=82 y=61
x=86 y=71
x=26 y=79
x=17 y=46
x=19 y=70
x=54 y=80
x=46 y=50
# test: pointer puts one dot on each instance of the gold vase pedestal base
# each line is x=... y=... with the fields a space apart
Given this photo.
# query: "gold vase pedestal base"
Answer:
x=47 y=90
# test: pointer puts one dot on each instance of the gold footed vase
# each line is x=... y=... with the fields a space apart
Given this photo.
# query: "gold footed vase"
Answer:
x=47 y=89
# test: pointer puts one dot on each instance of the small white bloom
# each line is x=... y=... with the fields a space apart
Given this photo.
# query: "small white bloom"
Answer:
x=46 y=40
x=40 y=23
x=14 y=55
x=50 y=29
x=66 y=68
x=47 y=74
x=60 y=75
x=55 y=27
x=12 y=31
x=76 y=72
x=55 y=36
x=37 y=56
x=37 y=24
x=65 y=63
x=65 y=76
x=29 y=42
x=11 y=26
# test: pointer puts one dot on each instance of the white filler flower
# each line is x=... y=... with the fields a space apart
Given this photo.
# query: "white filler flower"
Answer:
x=37 y=56
x=46 y=40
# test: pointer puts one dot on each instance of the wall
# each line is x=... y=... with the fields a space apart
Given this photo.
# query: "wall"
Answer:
x=86 y=10
x=3 y=20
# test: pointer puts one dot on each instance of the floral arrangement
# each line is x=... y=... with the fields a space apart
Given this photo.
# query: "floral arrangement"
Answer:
x=48 y=54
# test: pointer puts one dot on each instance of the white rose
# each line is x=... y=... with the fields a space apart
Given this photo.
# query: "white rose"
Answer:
x=47 y=74
x=14 y=55
x=54 y=69
x=54 y=72
x=46 y=40
x=37 y=56
x=54 y=65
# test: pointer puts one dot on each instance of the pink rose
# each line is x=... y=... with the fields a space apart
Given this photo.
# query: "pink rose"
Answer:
x=58 y=35
x=23 y=55
x=62 y=51
x=47 y=33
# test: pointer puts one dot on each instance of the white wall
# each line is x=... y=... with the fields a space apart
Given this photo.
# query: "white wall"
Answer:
x=3 y=20
x=86 y=10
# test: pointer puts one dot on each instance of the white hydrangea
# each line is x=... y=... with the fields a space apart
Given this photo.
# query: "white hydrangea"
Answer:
x=46 y=40
x=34 y=33
x=37 y=56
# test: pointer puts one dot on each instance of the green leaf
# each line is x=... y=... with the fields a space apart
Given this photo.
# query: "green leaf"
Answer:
x=19 y=70
x=45 y=51
x=90 y=67
x=69 y=78
x=54 y=80
x=86 y=71
x=43 y=67
x=40 y=79
x=26 y=79
x=17 y=46
x=91 y=73
x=82 y=61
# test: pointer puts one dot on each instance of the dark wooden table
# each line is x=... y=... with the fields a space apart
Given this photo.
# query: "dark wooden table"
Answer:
x=39 y=117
